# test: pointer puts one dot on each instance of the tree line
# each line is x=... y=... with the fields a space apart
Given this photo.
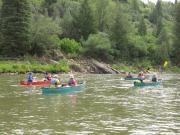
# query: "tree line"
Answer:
x=107 y=30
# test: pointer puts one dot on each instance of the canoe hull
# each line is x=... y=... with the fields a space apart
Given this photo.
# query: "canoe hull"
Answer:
x=133 y=78
x=142 y=84
x=35 y=83
x=64 y=89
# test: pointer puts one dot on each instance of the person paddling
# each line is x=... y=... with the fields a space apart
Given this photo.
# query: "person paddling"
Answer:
x=154 y=78
x=129 y=75
x=48 y=76
x=141 y=76
x=55 y=81
x=30 y=77
x=72 y=81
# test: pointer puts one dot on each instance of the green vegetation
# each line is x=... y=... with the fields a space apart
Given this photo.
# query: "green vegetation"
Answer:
x=112 y=31
x=70 y=46
x=15 y=27
x=34 y=66
x=176 y=48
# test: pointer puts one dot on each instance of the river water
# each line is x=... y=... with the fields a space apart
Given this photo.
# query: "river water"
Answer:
x=108 y=105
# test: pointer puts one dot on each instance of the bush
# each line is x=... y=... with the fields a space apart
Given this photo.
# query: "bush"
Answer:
x=44 y=35
x=98 y=46
x=70 y=46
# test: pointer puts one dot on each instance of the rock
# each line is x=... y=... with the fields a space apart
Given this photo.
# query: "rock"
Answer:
x=77 y=68
x=102 y=68
x=54 y=62
x=89 y=66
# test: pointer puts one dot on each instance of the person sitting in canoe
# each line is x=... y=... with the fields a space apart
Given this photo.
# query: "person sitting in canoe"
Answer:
x=55 y=81
x=48 y=76
x=30 y=77
x=141 y=76
x=72 y=81
x=129 y=75
x=154 y=78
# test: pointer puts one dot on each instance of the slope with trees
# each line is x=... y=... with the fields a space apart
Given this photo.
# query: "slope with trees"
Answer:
x=112 y=31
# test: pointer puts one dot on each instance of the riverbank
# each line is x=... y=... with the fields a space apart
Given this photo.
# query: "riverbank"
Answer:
x=41 y=65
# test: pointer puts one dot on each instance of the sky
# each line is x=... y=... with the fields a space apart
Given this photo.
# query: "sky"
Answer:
x=145 y=1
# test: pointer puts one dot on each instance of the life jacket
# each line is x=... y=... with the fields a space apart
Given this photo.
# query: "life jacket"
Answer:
x=30 y=78
x=72 y=82
x=154 y=79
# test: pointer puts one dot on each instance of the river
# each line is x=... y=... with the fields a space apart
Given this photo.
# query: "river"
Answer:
x=108 y=105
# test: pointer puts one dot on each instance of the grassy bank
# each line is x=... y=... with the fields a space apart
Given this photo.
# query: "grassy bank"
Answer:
x=134 y=68
x=39 y=66
x=14 y=66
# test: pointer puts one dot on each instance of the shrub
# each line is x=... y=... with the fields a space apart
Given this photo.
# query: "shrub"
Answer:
x=70 y=46
x=98 y=46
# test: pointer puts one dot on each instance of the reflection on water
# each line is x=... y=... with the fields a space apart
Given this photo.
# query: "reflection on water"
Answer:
x=108 y=105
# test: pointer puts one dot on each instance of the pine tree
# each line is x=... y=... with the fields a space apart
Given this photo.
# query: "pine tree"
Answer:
x=176 y=51
x=101 y=13
x=48 y=5
x=142 y=27
x=119 y=35
x=15 y=23
x=156 y=17
x=83 y=22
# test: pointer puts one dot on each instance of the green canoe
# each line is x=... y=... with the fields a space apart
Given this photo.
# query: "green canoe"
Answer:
x=141 y=84
x=131 y=78
x=63 y=90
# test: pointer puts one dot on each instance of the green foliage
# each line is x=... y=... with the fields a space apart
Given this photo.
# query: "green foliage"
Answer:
x=119 y=32
x=176 y=51
x=142 y=27
x=44 y=35
x=83 y=22
x=98 y=46
x=156 y=17
x=15 y=27
x=36 y=2
x=35 y=66
x=156 y=13
x=101 y=13
x=137 y=48
x=136 y=30
x=70 y=46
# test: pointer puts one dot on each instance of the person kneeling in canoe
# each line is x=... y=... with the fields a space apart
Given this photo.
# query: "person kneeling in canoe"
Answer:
x=129 y=75
x=48 y=76
x=30 y=77
x=72 y=81
x=141 y=76
x=154 y=78
x=55 y=81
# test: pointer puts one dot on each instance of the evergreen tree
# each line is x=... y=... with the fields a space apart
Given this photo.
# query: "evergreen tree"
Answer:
x=101 y=13
x=135 y=5
x=164 y=46
x=119 y=35
x=156 y=17
x=48 y=4
x=15 y=23
x=135 y=10
x=157 y=12
x=142 y=27
x=176 y=51
x=83 y=22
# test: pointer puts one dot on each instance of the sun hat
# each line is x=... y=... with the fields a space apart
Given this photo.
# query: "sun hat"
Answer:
x=71 y=76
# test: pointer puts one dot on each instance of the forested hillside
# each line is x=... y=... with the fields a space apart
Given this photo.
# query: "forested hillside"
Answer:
x=111 y=31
